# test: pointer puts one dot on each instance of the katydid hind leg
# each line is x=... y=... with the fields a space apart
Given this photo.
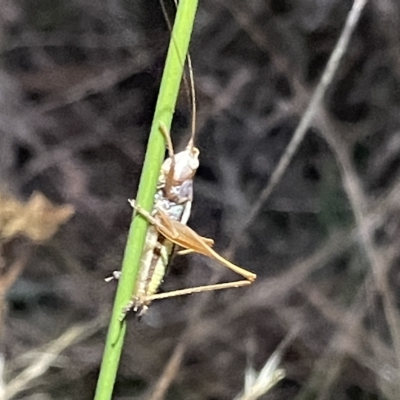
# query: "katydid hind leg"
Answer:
x=198 y=289
x=172 y=232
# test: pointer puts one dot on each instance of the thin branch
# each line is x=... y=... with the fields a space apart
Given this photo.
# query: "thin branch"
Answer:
x=313 y=107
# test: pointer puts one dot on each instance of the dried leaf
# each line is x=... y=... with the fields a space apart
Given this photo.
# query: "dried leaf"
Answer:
x=38 y=219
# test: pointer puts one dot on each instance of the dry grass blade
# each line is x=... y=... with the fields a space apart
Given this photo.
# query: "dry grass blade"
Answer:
x=49 y=354
x=169 y=373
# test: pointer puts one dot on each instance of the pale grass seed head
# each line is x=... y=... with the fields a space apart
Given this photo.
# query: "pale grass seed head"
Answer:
x=256 y=384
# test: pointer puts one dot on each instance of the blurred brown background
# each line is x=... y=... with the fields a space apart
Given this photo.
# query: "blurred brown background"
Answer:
x=78 y=85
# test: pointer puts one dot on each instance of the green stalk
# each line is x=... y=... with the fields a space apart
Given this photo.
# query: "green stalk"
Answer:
x=170 y=83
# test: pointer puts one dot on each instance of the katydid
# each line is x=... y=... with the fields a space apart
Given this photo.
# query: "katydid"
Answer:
x=171 y=211
x=168 y=219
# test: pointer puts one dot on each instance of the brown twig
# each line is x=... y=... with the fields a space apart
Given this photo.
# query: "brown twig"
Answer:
x=359 y=204
x=305 y=122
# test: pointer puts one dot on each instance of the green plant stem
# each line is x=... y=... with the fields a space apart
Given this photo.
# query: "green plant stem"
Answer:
x=166 y=102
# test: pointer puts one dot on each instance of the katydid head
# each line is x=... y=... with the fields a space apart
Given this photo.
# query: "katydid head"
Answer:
x=184 y=165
